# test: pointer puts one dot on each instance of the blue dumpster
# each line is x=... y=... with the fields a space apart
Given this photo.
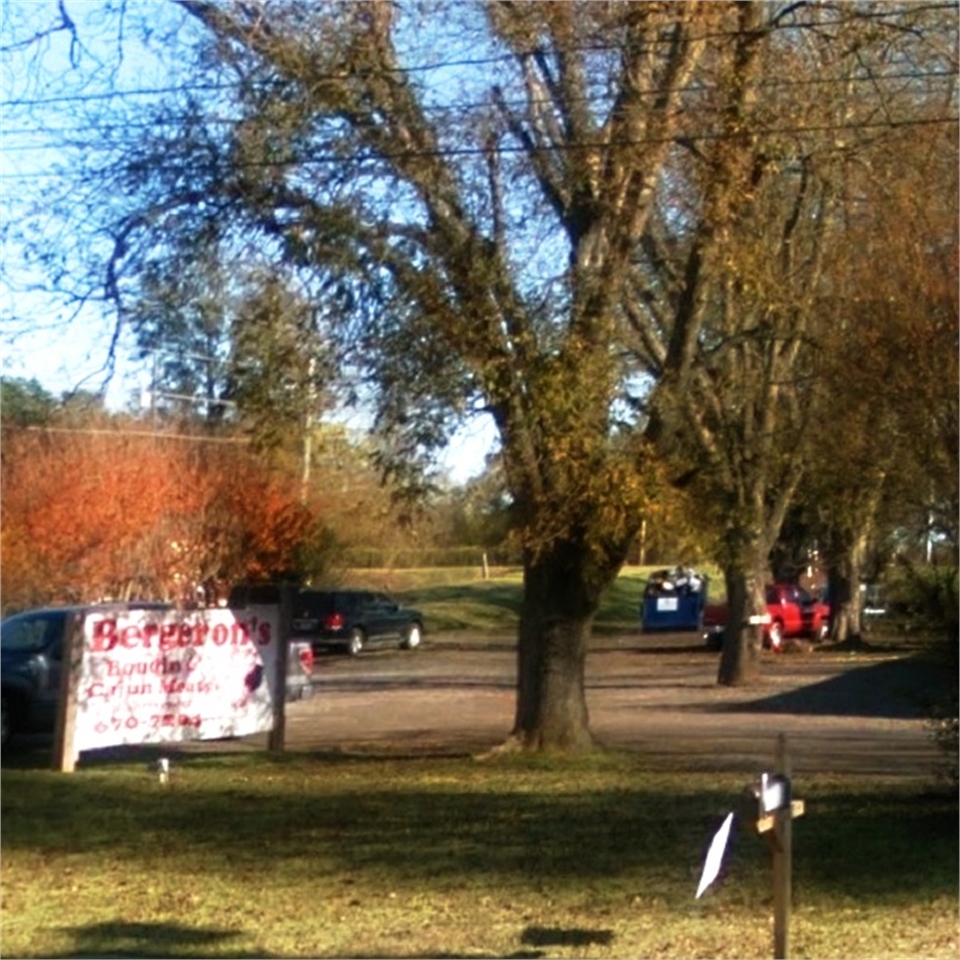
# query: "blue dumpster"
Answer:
x=674 y=600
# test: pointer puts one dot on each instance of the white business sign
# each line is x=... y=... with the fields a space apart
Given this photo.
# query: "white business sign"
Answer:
x=155 y=676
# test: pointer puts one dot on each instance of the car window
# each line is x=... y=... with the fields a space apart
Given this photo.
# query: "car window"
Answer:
x=313 y=604
x=31 y=633
x=355 y=600
x=252 y=594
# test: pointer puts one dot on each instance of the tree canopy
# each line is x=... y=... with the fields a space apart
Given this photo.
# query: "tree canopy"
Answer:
x=611 y=228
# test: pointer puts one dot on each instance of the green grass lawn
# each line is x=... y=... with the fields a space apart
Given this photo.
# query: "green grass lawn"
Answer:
x=458 y=598
x=453 y=598
x=245 y=855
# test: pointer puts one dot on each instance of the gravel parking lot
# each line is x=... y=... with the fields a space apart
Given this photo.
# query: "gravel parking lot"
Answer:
x=657 y=695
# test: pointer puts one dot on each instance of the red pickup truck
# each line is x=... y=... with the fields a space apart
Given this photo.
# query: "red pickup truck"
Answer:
x=792 y=612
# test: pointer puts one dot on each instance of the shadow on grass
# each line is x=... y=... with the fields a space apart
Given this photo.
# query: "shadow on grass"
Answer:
x=35 y=752
x=552 y=937
x=536 y=937
x=406 y=824
x=120 y=939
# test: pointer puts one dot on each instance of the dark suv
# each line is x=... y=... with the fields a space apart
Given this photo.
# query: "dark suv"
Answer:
x=353 y=619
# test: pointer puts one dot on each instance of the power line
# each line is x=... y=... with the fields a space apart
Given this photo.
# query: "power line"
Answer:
x=73 y=99
x=454 y=152
x=510 y=57
x=149 y=434
x=886 y=12
x=109 y=128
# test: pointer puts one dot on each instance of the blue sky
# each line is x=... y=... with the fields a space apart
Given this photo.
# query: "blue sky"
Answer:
x=44 y=86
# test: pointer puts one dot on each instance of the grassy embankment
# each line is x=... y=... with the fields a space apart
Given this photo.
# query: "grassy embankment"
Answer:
x=248 y=855
x=460 y=599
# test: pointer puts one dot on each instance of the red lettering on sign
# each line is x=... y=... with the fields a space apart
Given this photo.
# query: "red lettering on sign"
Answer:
x=241 y=633
x=169 y=636
x=130 y=637
x=104 y=636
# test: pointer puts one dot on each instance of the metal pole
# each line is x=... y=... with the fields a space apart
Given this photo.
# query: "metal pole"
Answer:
x=308 y=431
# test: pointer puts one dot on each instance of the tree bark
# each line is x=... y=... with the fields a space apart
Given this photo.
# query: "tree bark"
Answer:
x=844 y=575
x=847 y=542
x=742 y=641
x=561 y=596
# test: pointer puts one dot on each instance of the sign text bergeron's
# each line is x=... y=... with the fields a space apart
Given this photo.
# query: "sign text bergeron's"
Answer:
x=110 y=633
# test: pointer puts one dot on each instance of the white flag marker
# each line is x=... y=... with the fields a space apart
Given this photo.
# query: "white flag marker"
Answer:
x=711 y=866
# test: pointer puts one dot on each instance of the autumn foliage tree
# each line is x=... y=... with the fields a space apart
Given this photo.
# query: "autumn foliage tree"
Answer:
x=887 y=441
x=90 y=515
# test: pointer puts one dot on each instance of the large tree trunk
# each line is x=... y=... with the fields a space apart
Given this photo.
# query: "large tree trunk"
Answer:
x=745 y=557
x=844 y=574
x=561 y=594
x=742 y=641
x=847 y=545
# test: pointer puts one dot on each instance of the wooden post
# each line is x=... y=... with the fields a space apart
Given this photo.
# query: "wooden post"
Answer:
x=71 y=662
x=778 y=809
x=782 y=859
x=278 y=730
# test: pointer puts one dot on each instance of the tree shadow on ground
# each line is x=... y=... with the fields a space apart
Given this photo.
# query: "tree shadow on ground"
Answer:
x=554 y=937
x=35 y=752
x=117 y=938
x=900 y=689
x=544 y=942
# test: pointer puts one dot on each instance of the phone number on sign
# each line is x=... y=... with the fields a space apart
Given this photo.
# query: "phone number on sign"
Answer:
x=154 y=722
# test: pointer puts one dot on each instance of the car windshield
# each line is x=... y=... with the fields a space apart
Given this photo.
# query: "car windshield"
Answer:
x=29 y=633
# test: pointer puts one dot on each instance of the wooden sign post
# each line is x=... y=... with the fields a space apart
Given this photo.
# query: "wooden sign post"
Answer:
x=777 y=810
x=71 y=662
x=276 y=740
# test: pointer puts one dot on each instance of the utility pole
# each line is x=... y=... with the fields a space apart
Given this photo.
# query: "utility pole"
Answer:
x=308 y=430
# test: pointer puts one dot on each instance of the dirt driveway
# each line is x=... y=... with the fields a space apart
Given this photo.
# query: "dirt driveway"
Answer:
x=657 y=695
